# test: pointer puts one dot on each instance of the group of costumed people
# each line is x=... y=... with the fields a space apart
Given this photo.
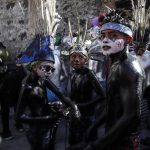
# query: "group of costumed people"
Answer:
x=41 y=103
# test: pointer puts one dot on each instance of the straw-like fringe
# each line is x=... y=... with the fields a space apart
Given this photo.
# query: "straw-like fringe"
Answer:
x=141 y=19
x=80 y=38
x=70 y=30
x=78 y=24
x=85 y=32
x=42 y=16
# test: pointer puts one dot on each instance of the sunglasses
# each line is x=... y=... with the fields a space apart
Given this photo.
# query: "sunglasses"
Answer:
x=46 y=68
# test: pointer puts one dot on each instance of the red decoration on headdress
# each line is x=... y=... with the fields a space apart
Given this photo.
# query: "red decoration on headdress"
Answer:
x=101 y=17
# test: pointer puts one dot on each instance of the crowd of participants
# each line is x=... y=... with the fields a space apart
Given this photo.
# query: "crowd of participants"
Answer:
x=106 y=81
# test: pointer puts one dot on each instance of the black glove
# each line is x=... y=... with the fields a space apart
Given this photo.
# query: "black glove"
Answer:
x=76 y=112
x=59 y=109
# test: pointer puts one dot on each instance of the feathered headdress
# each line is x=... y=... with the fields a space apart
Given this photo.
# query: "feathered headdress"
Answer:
x=117 y=20
x=78 y=42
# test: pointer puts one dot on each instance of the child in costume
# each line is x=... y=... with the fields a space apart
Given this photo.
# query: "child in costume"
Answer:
x=85 y=91
x=125 y=84
x=34 y=107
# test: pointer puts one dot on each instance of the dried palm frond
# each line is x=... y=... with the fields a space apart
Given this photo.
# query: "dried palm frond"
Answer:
x=78 y=24
x=81 y=37
x=141 y=19
x=42 y=16
x=84 y=34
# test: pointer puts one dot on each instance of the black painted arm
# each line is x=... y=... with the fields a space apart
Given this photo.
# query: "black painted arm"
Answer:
x=66 y=100
x=130 y=93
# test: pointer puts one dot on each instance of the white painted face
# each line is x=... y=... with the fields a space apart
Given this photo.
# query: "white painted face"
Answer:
x=112 y=42
x=45 y=69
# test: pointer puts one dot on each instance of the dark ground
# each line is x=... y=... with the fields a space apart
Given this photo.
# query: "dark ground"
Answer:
x=20 y=142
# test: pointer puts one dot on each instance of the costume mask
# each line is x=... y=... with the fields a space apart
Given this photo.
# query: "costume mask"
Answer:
x=45 y=69
x=112 y=46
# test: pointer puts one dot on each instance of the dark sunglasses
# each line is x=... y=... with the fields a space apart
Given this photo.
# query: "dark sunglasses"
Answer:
x=47 y=68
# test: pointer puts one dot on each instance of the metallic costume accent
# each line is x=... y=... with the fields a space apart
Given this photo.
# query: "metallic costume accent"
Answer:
x=118 y=27
x=79 y=49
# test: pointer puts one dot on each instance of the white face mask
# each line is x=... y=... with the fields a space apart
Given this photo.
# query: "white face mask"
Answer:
x=45 y=69
x=112 y=46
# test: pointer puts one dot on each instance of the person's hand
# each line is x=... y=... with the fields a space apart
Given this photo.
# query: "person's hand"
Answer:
x=74 y=111
x=77 y=113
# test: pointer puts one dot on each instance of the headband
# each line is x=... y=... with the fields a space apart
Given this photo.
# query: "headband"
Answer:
x=118 y=27
x=79 y=49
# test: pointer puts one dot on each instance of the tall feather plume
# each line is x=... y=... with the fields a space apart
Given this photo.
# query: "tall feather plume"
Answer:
x=42 y=16
x=78 y=24
x=70 y=30
x=141 y=18
x=85 y=32
x=80 y=38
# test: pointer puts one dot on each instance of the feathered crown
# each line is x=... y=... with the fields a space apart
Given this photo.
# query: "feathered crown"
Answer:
x=78 y=42
x=116 y=20
x=117 y=16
